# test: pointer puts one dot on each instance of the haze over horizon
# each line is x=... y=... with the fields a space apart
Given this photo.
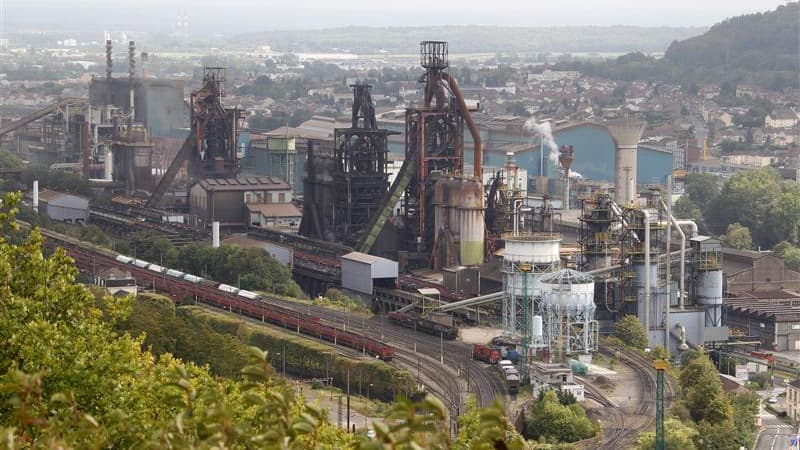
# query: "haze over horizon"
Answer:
x=236 y=16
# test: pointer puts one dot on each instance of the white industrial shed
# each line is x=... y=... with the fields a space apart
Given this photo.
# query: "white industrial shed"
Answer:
x=359 y=270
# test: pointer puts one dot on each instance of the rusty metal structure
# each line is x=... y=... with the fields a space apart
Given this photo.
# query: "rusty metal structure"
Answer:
x=435 y=143
x=360 y=177
x=210 y=148
x=343 y=187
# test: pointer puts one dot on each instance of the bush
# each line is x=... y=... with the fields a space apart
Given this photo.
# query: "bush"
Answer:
x=555 y=422
x=631 y=332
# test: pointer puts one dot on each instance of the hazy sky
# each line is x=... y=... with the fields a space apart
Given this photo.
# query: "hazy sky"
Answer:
x=249 y=15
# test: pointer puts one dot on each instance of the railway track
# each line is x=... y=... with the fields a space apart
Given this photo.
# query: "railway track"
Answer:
x=444 y=382
x=625 y=425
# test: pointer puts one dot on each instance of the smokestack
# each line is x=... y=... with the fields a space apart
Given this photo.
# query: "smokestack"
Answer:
x=215 y=234
x=131 y=69
x=626 y=135
x=36 y=196
x=108 y=71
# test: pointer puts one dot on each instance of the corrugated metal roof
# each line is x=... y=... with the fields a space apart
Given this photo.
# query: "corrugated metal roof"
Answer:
x=243 y=183
x=275 y=209
x=428 y=291
x=362 y=257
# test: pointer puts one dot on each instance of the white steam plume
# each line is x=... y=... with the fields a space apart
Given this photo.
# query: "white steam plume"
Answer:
x=544 y=130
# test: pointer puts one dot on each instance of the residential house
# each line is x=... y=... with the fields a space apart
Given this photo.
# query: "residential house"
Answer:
x=781 y=118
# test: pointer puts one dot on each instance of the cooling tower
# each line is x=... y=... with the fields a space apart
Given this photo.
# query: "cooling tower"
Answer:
x=626 y=135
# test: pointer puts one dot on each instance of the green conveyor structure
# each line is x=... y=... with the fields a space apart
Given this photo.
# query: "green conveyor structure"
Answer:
x=390 y=199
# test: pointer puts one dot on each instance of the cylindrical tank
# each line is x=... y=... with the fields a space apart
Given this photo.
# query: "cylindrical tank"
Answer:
x=709 y=287
x=536 y=328
x=639 y=269
x=471 y=223
x=525 y=257
x=215 y=234
x=568 y=288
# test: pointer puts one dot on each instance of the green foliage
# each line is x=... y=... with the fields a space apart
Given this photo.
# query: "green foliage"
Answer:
x=553 y=422
x=58 y=180
x=247 y=268
x=745 y=408
x=72 y=381
x=761 y=379
x=631 y=332
x=759 y=49
x=679 y=436
x=705 y=414
x=483 y=429
x=10 y=161
x=738 y=237
x=685 y=208
x=762 y=202
x=150 y=246
x=184 y=335
x=336 y=298
x=791 y=258
x=702 y=188
x=93 y=234
x=659 y=352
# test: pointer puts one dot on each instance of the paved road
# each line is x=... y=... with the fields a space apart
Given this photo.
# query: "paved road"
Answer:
x=776 y=434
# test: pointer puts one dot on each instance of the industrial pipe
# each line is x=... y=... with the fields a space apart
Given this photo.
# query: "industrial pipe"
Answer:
x=681 y=335
x=646 y=215
x=36 y=196
x=690 y=223
x=473 y=130
x=683 y=253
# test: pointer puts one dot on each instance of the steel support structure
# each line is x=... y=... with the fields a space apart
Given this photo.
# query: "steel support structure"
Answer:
x=210 y=148
x=660 y=366
x=360 y=176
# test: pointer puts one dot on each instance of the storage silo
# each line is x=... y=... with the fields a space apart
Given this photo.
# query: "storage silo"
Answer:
x=568 y=311
x=526 y=258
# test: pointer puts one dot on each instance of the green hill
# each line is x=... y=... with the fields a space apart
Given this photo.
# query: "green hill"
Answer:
x=761 y=49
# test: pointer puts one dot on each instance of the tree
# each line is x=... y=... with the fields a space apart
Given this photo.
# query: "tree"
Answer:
x=702 y=188
x=10 y=161
x=72 y=381
x=791 y=258
x=761 y=201
x=685 y=208
x=554 y=422
x=631 y=332
x=679 y=436
x=738 y=237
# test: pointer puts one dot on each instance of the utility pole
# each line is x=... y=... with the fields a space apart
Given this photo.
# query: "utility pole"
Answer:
x=660 y=366
x=348 y=399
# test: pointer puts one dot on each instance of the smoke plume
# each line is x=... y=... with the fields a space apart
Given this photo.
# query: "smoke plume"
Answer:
x=544 y=130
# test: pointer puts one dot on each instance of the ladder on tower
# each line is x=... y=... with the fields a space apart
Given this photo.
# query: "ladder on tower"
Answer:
x=390 y=199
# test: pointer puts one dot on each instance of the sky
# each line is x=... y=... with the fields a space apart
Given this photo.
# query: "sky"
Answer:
x=227 y=16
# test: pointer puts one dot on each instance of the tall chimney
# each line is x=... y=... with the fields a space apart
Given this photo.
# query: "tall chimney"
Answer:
x=36 y=196
x=108 y=71
x=215 y=234
x=626 y=135
x=131 y=69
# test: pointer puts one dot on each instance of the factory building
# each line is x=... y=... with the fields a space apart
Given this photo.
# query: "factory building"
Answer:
x=227 y=200
x=64 y=207
x=772 y=317
x=763 y=301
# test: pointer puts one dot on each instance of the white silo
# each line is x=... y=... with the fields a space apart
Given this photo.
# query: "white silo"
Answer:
x=526 y=258
x=568 y=311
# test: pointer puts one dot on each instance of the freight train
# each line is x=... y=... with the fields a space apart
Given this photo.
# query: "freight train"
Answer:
x=424 y=325
x=489 y=355
x=220 y=295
